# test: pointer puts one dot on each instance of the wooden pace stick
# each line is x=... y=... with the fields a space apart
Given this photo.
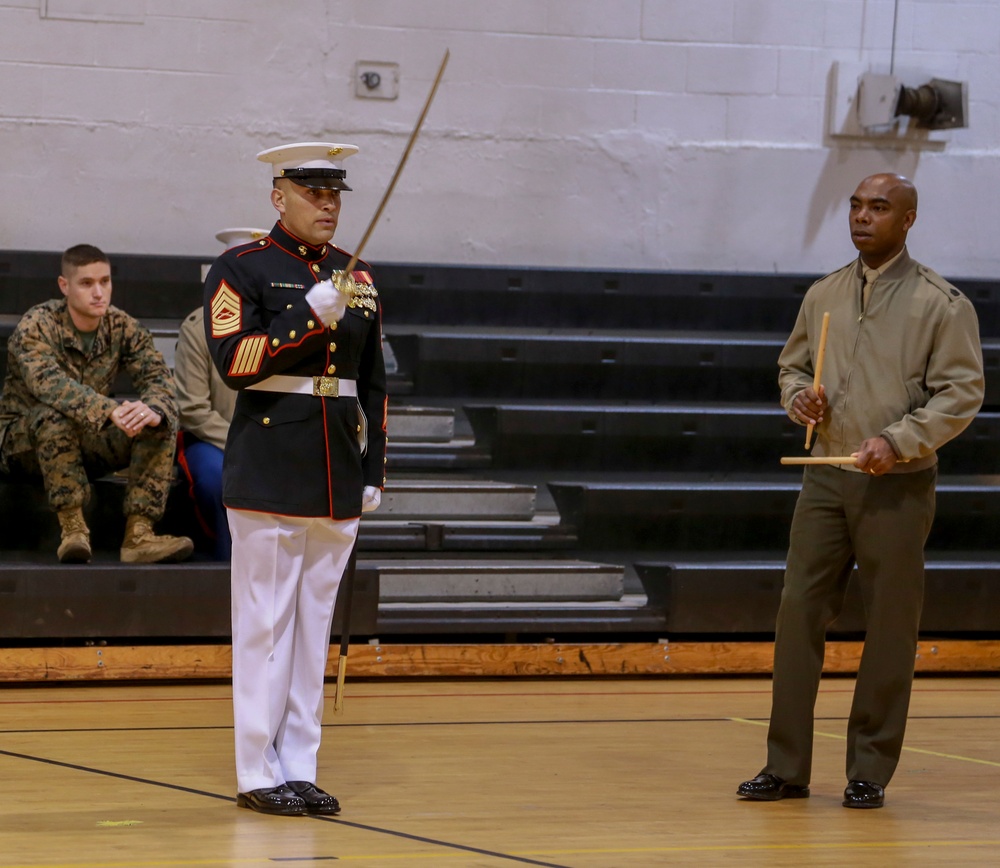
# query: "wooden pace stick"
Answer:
x=826 y=459
x=811 y=459
x=819 y=368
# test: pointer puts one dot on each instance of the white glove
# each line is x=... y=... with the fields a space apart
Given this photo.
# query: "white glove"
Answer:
x=327 y=302
x=371 y=497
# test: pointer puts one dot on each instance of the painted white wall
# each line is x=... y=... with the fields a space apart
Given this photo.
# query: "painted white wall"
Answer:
x=653 y=134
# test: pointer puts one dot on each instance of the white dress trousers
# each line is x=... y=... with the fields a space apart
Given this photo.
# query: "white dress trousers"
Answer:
x=286 y=571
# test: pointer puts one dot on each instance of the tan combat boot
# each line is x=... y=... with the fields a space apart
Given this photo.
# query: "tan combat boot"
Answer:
x=74 y=548
x=142 y=546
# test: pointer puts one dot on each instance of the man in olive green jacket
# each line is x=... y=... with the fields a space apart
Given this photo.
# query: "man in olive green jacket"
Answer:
x=902 y=375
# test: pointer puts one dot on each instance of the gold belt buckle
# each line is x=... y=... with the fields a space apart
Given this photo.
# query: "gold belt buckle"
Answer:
x=326 y=387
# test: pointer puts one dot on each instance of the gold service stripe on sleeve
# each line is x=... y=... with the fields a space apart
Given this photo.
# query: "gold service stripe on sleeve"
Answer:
x=248 y=356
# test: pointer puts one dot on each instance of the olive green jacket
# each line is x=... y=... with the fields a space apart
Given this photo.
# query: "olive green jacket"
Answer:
x=206 y=403
x=909 y=368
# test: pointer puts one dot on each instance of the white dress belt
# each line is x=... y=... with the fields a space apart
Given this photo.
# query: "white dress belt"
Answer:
x=323 y=387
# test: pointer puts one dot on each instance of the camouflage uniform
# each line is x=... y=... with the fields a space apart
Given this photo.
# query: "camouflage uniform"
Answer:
x=55 y=408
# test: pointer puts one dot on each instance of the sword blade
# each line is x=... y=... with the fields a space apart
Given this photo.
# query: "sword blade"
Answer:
x=399 y=166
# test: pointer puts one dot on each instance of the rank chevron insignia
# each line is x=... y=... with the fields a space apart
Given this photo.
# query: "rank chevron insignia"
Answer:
x=225 y=311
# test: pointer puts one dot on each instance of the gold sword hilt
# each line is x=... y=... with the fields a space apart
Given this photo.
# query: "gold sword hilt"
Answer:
x=345 y=284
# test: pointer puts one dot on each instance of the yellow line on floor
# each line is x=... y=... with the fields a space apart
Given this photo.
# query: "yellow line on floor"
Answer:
x=954 y=756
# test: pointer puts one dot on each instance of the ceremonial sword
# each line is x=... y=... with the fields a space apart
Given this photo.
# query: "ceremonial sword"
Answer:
x=342 y=279
x=345 y=284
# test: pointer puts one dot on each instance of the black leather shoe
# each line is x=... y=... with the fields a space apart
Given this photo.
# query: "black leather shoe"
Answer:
x=771 y=788
x=863 y=794
x=317 y=801
x=275 y=800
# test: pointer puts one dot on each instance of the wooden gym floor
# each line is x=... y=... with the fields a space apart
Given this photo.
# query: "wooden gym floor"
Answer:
x=576 y=773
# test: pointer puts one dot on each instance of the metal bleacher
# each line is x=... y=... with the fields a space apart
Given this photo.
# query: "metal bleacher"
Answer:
x=645 y=405
x=571 y=453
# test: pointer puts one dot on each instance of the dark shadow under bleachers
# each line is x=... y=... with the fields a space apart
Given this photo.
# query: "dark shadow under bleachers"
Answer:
x=42 y=601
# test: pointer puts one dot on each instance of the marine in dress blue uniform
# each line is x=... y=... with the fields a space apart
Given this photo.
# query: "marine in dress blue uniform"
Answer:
x=305 y=455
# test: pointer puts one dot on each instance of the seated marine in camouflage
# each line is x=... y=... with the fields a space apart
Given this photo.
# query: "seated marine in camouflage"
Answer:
x=58 y=421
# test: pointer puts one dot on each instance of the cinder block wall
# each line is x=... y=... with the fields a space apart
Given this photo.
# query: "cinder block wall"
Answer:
x=659 y=134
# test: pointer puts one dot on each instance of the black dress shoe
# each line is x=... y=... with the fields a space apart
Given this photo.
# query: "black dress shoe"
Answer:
x=274 y=800
x=317 y=801
x=771 y=788
x=863 y=794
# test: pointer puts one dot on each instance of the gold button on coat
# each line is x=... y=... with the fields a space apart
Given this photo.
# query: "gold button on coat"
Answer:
x=310 y=324
x=333 y=347
x=332 y=369
x=291 y=334
x=267 y=420
x=275 y=342
x=333 y=326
